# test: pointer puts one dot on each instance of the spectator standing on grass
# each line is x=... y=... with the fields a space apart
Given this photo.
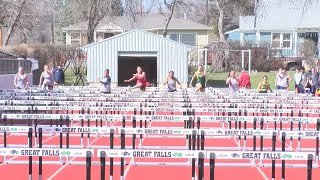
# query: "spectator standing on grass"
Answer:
x=233 y=81
x=303 y=82
x=106 y=82
x=21 y=80
x=244 y=80
x=58 y=75
x=172 y=82
x=46 y=78
x=297 y=79
x=264 y=86
x=282 y=80
x=314 y=80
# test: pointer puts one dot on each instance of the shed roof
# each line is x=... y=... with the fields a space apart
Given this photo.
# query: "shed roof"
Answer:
x=136 y=31
x=148 y=22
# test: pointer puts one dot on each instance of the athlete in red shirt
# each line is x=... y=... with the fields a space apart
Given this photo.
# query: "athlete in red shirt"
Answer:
x=140 y=77
x=244 y=80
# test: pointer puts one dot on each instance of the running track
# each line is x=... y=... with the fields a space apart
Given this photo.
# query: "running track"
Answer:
x=61 y=172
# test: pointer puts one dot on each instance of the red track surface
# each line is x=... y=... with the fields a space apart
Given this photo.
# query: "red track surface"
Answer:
x=62 y=172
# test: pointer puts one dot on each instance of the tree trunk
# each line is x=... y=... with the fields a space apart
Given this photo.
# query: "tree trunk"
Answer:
x=221 y=22
x=92 y=22
x=16 y=19
x=165 y=31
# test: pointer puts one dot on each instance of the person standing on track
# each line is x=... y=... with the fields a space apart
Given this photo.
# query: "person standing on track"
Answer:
x=172 y=82
x=46 y=78
x=282 y=80
x=232 y=81
x=106 y=83
x=21 y=80
x=200 y=74
x=264 y=86
x=244 y=80
x=141 y=79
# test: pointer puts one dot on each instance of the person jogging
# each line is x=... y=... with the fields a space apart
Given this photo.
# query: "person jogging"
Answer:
x=46 y=78
x=232 y=81
x=200 y=76
x=106 y=83
x=21 y=79
x=264 y=86
x=172 y=82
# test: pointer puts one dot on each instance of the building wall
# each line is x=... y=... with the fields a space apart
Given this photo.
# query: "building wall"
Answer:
x=170 y=55
x=202 y=35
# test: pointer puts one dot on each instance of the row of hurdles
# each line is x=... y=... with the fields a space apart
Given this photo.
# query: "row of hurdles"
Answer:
x=195 y=110
x=193 y=155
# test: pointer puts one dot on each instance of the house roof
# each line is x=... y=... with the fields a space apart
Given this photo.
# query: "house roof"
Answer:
x=150 y=22
x=135 y=31
x=282 y=15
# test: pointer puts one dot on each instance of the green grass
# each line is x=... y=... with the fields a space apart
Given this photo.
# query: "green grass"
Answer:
x=219 y=79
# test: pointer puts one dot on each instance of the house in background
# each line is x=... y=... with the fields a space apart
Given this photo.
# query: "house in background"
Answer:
x=181 y=30
x=281 y=25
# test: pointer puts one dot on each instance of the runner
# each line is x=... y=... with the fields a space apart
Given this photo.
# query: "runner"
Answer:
x=201 y=79
x=282 y=80
x=264 y=86
x=106 y=83
x=232 y=81
x=140 y=77
x=21 y=80
x=46 y=78
x=172 y=82
x=244 y=80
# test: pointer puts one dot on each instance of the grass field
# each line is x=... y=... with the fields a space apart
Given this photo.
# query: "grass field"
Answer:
x=218 y=80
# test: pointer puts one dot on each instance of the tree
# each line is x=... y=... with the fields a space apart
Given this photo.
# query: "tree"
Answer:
x=18 y=15
x=98 y=10
x=171 y=7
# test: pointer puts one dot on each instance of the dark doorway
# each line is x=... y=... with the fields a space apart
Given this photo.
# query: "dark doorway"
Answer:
x=128 y=66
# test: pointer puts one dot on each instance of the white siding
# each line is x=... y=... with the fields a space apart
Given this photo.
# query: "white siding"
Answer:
x=171 y=55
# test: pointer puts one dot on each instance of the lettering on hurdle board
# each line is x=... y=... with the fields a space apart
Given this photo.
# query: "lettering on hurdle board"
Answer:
x=260 y=155
x=44 y=152
x=226 y=118
x=58 y=116
x=158 y=131
x=162 y=117
x=14 y=129
x=76 y=129
x=151 y=153
x=13 y=108
x=300 y=133
x=237 y=132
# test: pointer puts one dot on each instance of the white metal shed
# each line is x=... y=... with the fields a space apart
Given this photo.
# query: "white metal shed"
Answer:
x=123 y=53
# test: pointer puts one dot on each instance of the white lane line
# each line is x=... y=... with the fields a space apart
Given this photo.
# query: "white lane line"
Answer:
x=65 y=165
x=132 y=159
x=252 y=161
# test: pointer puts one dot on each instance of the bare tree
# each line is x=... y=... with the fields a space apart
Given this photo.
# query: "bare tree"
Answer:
x=171 y=7
x=98 y=10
